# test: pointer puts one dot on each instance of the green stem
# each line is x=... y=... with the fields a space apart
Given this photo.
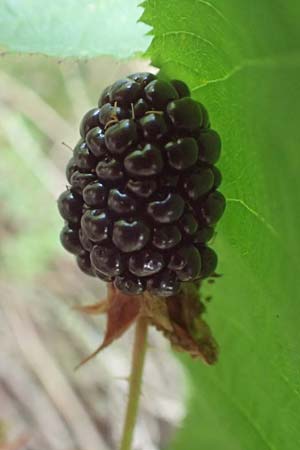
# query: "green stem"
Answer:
x=137 y=365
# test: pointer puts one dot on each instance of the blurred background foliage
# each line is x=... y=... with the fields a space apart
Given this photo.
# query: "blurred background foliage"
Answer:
x=44 y=404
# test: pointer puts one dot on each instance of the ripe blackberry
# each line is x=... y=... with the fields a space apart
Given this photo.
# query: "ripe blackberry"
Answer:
x=143 y=201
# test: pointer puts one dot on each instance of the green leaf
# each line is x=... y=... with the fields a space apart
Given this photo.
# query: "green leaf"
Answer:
x=242 y=60
x=85 y=28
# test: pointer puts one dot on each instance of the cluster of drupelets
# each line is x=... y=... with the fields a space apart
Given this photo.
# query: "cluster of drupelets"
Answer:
x=143 y=200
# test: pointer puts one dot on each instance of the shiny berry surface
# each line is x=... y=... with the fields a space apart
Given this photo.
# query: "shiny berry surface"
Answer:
x=188 y=224
x=104 y=97
x=142 y=188
x=70 y=206
x=209 y=261
x=183 y=153
x=167 y=210
x=142 y=78
x=84 y=263
x=129 y=284
x=121 y=136
x=90 y=120
x=121 y=203
x=209 y=144
x=143 y=198
x=70 y=169
x=107 y=260
x=109 y=170
x=166 y=237
x=185 y=113
x=159 y=93
x=83 y=158
x=203 y=234
x=69 y=239
x=186 y=262
x=140 y=108
x=213 y=208
x=144 y=162
x=95 y=140
x=124 y=92
x=130 y=236
x=181 y=88
x=94 y=224
x=110 y=113
x=145 y=263
x=153 y=126
x=95 y=194
x=84 y=240
x=164 y=284
x=79 y=180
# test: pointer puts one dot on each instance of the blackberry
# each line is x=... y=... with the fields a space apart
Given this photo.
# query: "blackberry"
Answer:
x=143 y=200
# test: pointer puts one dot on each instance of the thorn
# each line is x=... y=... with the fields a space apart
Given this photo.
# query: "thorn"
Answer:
x=68 y=146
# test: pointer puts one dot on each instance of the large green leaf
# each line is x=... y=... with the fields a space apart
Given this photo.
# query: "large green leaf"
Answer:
x=242 y=59
x=84 y=28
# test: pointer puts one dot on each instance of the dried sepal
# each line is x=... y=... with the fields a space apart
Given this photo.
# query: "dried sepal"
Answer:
x=178 y=317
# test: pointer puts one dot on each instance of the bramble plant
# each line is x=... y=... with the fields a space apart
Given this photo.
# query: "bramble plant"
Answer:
x=141 y=207
x=242 y=61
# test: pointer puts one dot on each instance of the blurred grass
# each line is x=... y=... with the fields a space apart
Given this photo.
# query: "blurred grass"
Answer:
x=42 y=102
x=41 y=398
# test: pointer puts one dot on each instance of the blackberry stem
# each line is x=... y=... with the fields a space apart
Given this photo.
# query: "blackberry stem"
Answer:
x=137 y=366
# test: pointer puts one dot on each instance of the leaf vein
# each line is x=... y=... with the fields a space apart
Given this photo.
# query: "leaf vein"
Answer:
x=216 y=10
x=256 y=214
x=182 y=64
x=281 y=61
x=187 y=33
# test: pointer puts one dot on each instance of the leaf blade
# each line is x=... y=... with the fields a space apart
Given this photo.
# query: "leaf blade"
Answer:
x=250 y=86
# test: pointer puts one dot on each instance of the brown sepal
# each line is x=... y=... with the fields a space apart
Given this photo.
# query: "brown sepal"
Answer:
x=122 y=310
x=178 y=317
